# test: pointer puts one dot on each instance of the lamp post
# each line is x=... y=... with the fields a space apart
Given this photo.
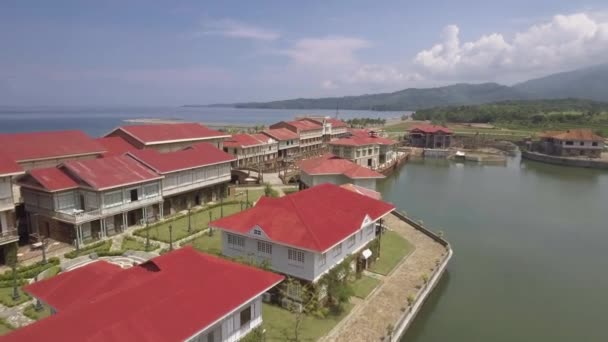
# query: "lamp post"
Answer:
x=247 y=191
x=147 y=235
x=15 y=288
x=43 y=250
x=170 y=237
x=189 y=220
x=222 y=202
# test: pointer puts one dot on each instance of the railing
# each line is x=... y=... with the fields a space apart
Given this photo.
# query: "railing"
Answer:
x=196 y=185
x=9 y=235
x=7 y=202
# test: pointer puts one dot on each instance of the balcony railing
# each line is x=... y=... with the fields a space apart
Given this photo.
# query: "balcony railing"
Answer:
x=9 y=235
x=196 y=185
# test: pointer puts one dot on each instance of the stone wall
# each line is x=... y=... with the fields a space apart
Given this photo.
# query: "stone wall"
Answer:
x=565 y=161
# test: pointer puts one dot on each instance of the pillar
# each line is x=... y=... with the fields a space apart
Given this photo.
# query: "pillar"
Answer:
x=161 y=208
x=124 y=221
x=102 y=230
x=79 y=234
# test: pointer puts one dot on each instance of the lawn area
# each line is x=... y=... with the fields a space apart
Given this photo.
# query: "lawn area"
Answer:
x=5 y=328
x=278 y=322
x=6 y=296
x=254 y=195
x=101 y=246
x=208 y=244
x=364 y=286
x=199 y=221
x=136 y=245
x=31 y=312
x=392 y=249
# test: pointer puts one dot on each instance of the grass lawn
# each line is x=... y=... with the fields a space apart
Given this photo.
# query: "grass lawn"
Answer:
x=364 y=286
x=254 y=195
x=136 y=245
x=102 y=246
x=5 y=328
x=6 y=297
x=199 y=221
x=208 y=244
x=392 y=249
x=278 y=322
x=30 y=311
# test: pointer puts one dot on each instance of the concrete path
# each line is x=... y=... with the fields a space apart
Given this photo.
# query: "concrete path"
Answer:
x=14 y=316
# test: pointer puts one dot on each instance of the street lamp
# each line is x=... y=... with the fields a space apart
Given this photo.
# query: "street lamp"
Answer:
x=43 y=250
x=15 y=288
x=189 y=220
x=147 y=235
x=170 y=237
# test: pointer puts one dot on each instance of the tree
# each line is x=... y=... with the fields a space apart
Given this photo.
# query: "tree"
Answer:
x=307 y=303
x=339 y=290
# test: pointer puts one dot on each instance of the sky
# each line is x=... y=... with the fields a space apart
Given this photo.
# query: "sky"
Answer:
x=199 y=52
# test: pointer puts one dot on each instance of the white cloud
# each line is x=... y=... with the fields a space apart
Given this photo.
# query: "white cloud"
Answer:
x=235 y=29
x=328 y=51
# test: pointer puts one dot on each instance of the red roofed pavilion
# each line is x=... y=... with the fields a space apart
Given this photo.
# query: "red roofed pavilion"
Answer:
x=430 y=136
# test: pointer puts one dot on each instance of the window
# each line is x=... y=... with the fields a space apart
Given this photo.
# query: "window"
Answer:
x=211 y=336
x=151 y=190
x=570 y=143
x=133 y=195
x=245 y=316
x=112 y=199
x=257 y=232
x=66 y=201
x=582 y=143
x=295 y=255
x=351 y=240
x=594 y=144
x=337 y=250
x=294 y=290
x=370 y=229
x=236 y=241
x=264 y=247
x=323 y=259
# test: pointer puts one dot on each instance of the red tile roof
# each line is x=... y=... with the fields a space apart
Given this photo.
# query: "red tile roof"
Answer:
x=44 y=145
x=305 y=125
x=49 y=179
x=427 y=128
x=160 y=300
x=242 y=140
x=163 y=133
x=8 y=166
x=315 y=219
x=336 y=122
x=111 y=172
x=363 y=191
x=115 y=146
x=329 y=164
x=281 y=134
x=573 y=134
x=201 y=155
x=361 y=140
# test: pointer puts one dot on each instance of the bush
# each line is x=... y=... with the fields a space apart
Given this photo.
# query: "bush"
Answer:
x=30 y=271
x=290 y=191
x=98 y=247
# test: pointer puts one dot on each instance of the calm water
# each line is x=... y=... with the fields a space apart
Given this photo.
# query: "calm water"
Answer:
x=530 y=243
x=99 y=120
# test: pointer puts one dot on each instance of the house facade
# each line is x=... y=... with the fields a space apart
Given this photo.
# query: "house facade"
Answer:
x=332 y=128
x=572 y=143
x=193 y=176
x=80 y=201
x=430 y=136
x=252 y=150
x=168 y=137
x=331 y=169
x=8 y=220
x=305 y=234
x=310 y=134
x=159 y=299
x=288 y=142
x=364 y=148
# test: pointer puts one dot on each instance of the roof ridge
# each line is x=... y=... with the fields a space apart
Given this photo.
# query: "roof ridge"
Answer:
x=314 y=237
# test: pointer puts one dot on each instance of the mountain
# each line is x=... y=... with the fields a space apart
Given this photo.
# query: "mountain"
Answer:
x=588 y=83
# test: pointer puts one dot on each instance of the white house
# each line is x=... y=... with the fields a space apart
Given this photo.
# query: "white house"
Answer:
x=183 y=295
x=8 y=230
x=305 y=234
x=251 y=150
x=331 y=169
x=365 y=148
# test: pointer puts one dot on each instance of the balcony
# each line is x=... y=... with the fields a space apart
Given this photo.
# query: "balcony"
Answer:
x=196 y=185
x=8 y=235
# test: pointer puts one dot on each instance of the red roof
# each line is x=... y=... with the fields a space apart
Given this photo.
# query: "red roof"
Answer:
x=427 y=128
x=363 y=191
x=110 y=172
x=163 y=133
x=160 y=300
x=115 y=146
x=243 y=140
x=305 y=125
x=203 y=154
x=8 y=166
x=329 y=164
x=50 y=179
x=336 y=122
x=362 y=140
x=43 y=145
x=281 y=134
x=314 y=219
x=573 y=134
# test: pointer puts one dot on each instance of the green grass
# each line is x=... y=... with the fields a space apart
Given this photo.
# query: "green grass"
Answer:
x=6 y=297
x=97 y=247
x=279 y=324
x=392 y=249
x=129 y=243
x=5 y=328
x=199 y=222
x=53 y=271
x=290 y=191
x=364 y=286
x=254 y=195
x=31 y=312
x=208 y=244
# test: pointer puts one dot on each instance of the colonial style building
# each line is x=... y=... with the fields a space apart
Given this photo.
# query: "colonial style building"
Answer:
x=115 y=146
x=365 y=148
x=252 y=150
x=305 y=234
x=289 y=142
x=430 y=136
x=8 y=226
x=193 y=176
x=332 y=128
x=572 y=143
x=183 y=295
x=331 y=169
x=310 y=133
x=88 y=199
x=168 y=137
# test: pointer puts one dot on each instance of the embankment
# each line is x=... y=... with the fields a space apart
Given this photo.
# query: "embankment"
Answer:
x=566 y=161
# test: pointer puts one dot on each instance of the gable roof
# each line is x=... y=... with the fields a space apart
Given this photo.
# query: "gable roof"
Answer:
x=281 y=134
x=363 y=191
x=50 y=179
x=28 y=146
x=242 y=140
x=329 y=164
x=428 y=128
x=8 y=166
x=160 y=300
x=202 y=155
x=573 y=134
x=163 y=133
x=110 y=172
x=314 y=219
x=300 y=125
x=336 y=122
x=360 y=139
x=115 y=146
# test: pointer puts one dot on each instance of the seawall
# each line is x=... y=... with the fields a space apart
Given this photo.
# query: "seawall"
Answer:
x=565 y=161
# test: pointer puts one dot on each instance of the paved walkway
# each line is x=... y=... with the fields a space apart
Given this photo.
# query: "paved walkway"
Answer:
x=368 y=321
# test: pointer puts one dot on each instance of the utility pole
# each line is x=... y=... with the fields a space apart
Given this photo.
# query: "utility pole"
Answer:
x=170 y=237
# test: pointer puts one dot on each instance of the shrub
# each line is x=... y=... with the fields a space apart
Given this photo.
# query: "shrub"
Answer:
x=97 y=247
x=410 y=299
x=30 y=271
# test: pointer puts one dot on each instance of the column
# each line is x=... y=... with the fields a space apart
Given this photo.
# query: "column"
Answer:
x=161 y=208
x=79 y=227
x=144 y=213
x=124 y=221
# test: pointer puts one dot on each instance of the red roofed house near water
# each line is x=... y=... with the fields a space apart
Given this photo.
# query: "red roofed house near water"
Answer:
x=305 y=234
x=572 y=143
x=331 y=169
x=332 y=128
x=430 y=136
x=115 y=146
x=289 y=141
x=309 y=133
x=365 y=148
x=8 y=230
x=183 y=295
x=168 y=137
x=193 y=176
x=252 y=150
x=84 y=200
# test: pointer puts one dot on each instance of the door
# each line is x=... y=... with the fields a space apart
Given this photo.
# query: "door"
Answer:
x=134 y=196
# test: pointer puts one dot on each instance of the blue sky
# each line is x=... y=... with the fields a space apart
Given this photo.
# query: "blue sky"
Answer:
x=177 y=52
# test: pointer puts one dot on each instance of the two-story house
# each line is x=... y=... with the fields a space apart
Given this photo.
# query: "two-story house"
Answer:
x=430 y=136
x=289 y=142
x=183 y=295
x=8 y=228
x=168 y=137
x=332 y=128
x=252 y=150
x=89 y=199
x=193 y=176
x=572 y=143
x=310 y=133
x=331 y=169
x=304 y=234
x=365 y=148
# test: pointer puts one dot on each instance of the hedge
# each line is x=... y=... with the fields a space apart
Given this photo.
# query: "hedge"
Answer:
x=30 y=271
x=98 y=247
